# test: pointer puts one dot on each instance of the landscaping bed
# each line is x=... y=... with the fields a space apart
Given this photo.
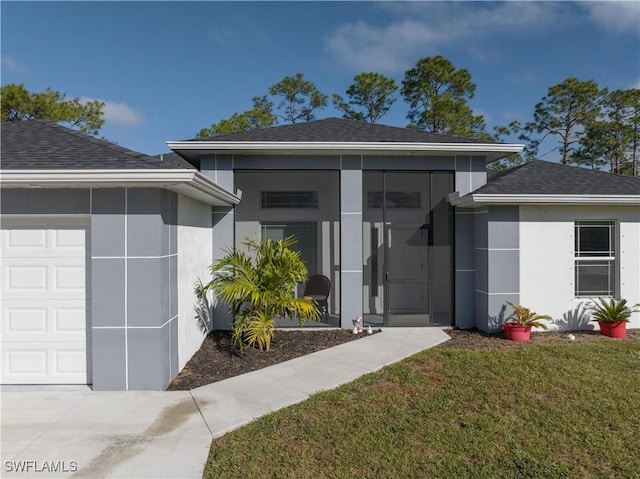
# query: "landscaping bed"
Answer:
x=474 y=339
x=216 y=360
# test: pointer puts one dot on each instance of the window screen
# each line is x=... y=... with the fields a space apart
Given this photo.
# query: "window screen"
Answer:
x=289 y=199
x=395 y=200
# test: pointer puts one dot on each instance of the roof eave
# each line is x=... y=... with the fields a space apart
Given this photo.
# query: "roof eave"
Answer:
x=190 y=183
x=478 y=200
x=199 y=147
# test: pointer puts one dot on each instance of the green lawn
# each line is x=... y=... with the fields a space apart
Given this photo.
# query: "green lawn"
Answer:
x=546 y=411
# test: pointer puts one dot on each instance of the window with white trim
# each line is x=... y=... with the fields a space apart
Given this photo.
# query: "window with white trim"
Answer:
x=595 y=258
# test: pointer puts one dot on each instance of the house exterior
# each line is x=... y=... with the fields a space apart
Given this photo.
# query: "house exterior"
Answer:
x=100 y=250
x=412 y=232
x=369 y=204
x=102 y=246
x=553 y=237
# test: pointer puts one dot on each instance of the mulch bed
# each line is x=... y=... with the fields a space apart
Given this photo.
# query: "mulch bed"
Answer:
x=216 y=360
x=474 y=339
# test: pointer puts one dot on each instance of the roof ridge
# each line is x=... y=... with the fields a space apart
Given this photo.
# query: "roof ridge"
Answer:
x=332 y=126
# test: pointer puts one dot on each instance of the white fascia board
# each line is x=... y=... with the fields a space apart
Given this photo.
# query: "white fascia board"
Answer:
x=187 y=182
x=477 y=200
x=496 y=150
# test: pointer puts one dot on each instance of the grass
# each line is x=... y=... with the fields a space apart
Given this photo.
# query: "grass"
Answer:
x=548 y=411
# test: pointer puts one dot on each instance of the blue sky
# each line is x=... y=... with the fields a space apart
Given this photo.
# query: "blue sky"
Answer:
x=167 y=69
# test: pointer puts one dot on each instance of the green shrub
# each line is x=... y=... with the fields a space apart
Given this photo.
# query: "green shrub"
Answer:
x=259 y=286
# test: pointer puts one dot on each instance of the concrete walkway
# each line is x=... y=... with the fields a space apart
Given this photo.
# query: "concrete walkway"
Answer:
x=141 y=434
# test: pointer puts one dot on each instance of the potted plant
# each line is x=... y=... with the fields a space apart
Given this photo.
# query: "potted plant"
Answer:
x=518 y=326
x=612 y=315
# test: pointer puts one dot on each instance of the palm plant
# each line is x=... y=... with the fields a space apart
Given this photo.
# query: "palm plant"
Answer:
x=612 y=310
x=259 y=286
x=525 y=317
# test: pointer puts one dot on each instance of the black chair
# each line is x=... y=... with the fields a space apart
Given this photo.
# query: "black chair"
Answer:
x=319 y=287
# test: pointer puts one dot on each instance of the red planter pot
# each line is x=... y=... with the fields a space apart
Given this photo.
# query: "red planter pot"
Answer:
x=515 y=332
x=613 y=330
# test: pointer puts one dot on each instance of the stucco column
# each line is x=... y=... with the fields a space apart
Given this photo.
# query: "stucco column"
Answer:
x=350 y=240
x=219 y=168
x=470 y=174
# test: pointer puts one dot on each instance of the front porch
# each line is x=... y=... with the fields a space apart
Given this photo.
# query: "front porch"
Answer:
x=384 y=239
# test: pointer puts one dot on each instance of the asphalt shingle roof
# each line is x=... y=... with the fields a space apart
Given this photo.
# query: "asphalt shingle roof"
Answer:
x=341 y=130
x=40 y=145
x=544 y=178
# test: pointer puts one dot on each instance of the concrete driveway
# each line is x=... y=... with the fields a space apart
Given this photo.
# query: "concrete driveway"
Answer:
x=79 y=433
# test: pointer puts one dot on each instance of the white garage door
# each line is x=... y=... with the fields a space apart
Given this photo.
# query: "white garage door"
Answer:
x=43 y=268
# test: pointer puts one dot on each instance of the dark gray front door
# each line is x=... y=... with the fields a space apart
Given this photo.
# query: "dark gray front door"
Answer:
x=407 y=275
x=396 y=234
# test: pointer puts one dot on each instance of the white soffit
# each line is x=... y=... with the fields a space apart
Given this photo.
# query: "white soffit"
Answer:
x=190 y=183
x=493 y=151
x=472 y=201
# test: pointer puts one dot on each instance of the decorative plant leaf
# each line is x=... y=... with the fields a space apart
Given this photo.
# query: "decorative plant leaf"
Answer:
x=259 y=286
x=525 y=317
x=613 y=310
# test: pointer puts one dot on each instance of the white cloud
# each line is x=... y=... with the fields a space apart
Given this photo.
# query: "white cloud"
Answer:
x=616 y=17
x=384 y=49
x=10 y=63
x=424 y=28
x=119 y=114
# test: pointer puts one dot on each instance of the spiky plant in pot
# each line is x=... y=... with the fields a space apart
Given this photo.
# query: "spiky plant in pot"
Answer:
x=612 y=315
x=613 y=310
x=525 y=317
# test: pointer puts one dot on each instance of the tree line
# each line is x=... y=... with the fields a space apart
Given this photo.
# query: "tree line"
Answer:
x=591 y=126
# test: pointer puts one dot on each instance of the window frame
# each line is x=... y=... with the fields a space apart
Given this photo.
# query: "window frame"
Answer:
x=605 y=258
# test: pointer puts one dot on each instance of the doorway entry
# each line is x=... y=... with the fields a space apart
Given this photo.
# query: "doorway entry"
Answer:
x=400 y=211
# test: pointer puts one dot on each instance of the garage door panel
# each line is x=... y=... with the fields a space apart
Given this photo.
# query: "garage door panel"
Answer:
x=71 y=242
x=27 y=277
x=26 y=362
x=23 y=241
x=43 y=271
x=43 y=243
x=46 y=278
x=26 y=320
x=69 y=278
x=59 y=320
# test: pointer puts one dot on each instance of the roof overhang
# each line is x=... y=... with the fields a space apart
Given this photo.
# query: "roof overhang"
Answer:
x=194 y=149
x=477 y=200
x=189 y=183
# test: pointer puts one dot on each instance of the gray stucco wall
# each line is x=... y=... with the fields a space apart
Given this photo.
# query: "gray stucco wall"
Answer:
x=470 y=175
x=497 y=261
x=219 y=168
x=133 y=315
x=351 y=277
x=134 y=266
